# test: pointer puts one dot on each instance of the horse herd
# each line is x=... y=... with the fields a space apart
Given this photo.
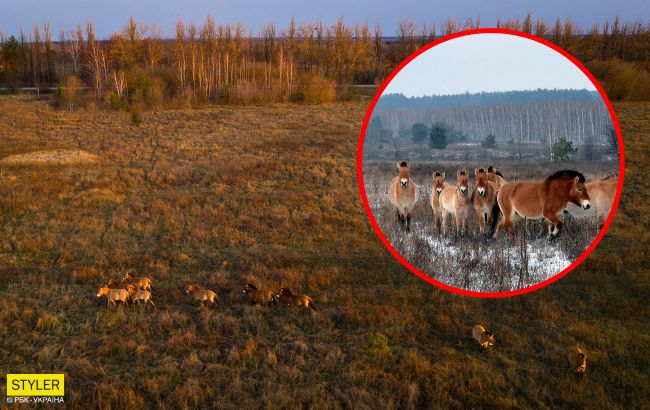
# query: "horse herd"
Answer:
x=137 y=290
x=564 y=191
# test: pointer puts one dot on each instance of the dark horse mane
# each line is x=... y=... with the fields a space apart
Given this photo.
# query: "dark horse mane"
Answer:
x=491 y=169
x=403 y=164
x=567 y=173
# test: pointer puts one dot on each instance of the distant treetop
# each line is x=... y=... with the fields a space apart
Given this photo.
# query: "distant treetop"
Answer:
x=393 y=101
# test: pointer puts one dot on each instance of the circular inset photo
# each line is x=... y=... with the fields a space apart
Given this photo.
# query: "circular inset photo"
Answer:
x=490 y=163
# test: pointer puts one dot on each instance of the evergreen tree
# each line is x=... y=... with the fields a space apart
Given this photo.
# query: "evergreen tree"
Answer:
x=419 y=132
x=438 y=135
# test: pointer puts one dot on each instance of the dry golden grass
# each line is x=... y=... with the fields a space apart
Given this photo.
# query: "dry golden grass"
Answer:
x=51 y=157
x=224 y=195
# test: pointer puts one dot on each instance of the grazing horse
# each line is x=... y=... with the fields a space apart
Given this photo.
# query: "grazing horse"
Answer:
x=541 y=199
x=577 y=360
x=484 y=197
x=113 y=294
x=601 y=194
x=201 y=295
x=483 y=337
x=438 y=185
x=456 y=200
x=140 y=282
x=403 y=193
x=495 y=176
x=291 y=299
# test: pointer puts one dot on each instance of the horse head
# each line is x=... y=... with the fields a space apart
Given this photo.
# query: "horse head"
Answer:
x=462 y=181
x=438 y=182
x=481 y=178
x=404 y=173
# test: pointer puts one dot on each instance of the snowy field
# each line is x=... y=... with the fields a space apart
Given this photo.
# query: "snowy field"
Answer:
x=473 y=261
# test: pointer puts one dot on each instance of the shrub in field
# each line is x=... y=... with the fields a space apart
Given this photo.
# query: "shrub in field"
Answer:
x=419 y=132
x=562 y=150
x=489 y=142
x=146 y=89
x=116 y=102
x=622 y=80
x=438 y=135
x=316 y=89
x=67 y=94
x=377 y=344
x=135 y=115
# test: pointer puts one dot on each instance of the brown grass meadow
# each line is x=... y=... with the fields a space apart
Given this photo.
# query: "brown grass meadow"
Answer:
x=225 y=195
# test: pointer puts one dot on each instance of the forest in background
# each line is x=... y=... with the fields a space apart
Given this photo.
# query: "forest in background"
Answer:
x=542 y=116
x=139 y=66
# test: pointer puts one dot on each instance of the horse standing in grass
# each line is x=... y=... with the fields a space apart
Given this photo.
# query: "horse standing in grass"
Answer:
x=456 y=200
x=291 y=299
x=577 y=359
x=113 y=295
x=541 y=199
x=484 y=198
x=438 y=185
x=601 y=194
x=403 y=194
x=201 y=295
x=143 y=283
x=495 y=176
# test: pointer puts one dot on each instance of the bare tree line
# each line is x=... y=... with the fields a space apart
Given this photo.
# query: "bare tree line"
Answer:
x=211 y=62
x=545 y=122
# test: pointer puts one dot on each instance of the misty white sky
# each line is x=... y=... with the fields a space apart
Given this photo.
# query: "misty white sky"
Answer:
x=487 y=62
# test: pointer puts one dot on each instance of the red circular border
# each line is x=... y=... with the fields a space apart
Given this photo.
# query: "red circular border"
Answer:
x=381 y=235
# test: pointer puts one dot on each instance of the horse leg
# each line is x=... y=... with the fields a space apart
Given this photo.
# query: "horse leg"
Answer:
x=481 y=220
x=445 y=215
x=408 y=222
x=457 y=222
x=555 y=221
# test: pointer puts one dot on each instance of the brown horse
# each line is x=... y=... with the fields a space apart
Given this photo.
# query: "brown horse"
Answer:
x=142 y=295
x=577 y=360
x=541 y=199
x=113 y=295
x=140 y=282
x=201 y=295
x=602 y=194
x=456 y=200
x=403 y=193
x=438 y=185
x=484 y=198
x=259 y=296
x=291 y=299
x=483 y=337
x=495 y=176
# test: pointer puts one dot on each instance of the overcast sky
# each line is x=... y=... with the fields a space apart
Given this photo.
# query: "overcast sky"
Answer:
x=110 y=15
x=487 y=62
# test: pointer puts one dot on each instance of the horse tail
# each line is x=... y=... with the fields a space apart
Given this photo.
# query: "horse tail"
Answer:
x=496 y=210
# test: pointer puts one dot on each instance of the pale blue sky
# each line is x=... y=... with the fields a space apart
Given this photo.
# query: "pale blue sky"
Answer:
x=487 y=62
x=110 y=15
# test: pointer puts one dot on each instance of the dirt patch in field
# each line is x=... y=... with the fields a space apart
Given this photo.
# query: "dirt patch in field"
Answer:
x=51 y=157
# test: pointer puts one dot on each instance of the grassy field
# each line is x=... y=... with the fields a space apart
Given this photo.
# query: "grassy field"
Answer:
x=226 y=195
x=474 y=261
